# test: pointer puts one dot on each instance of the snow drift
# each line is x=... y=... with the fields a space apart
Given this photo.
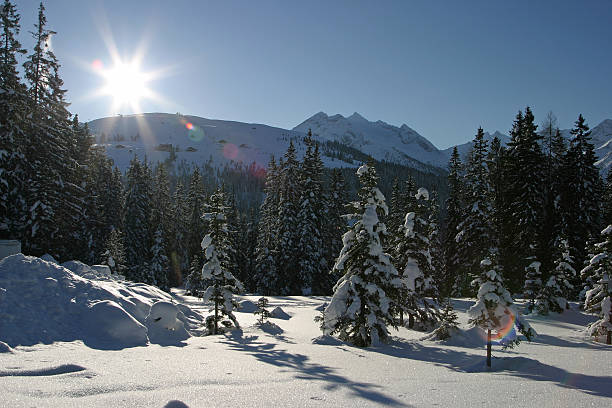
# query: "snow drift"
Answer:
x=43 y=302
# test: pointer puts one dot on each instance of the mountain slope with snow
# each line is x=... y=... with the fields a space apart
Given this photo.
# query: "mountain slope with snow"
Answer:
x=378 y=139
x=192 y=139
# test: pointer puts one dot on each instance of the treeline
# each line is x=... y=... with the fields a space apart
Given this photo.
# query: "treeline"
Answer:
x=537 y=204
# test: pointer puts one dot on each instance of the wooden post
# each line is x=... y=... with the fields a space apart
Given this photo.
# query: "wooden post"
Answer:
x=489 y=348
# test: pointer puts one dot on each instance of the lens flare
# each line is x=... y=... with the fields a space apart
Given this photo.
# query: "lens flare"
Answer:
x=97 y=65
x=189 y=125
x=230 y=151
x=195 y=134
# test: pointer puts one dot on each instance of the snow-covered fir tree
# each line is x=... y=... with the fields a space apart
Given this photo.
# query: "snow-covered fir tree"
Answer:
x=179 y=259
x=554 y=294
x=412 y=255
x=582 y=194
x=315 y=278
x=287 y=244
x=494 y=309
x=222 y=284
x=448 y=325
x=13 y=163
x=195 y=202
x=454 y=211
x=361 y=307
x=525 y=201
x=136 y=233
x=475 y=232
x=265 y=279
x=598 y=299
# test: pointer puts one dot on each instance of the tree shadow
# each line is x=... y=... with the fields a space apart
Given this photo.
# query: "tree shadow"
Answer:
x=305 y=370
x=517 y=366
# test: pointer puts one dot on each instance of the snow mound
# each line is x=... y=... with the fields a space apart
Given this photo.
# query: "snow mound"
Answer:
x=5 y=348
x=474 y=337
x=270 y=328
x=43 y=302
x=48 y=258
x=246 y=306
x=163 y=325
x=109 y=325
x=279 y=313
x=327 y=340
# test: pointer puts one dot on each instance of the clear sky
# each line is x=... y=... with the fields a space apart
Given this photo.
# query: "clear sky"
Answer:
x=442 y=67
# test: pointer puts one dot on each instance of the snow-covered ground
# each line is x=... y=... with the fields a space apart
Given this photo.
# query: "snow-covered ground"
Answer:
x=287 y=363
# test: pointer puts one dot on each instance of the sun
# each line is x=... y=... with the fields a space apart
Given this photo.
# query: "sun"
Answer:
x=126 y=84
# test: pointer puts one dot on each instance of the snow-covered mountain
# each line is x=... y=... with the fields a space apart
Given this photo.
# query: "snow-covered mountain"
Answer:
x=193 y=139
x=199 y=140
x=378 y=139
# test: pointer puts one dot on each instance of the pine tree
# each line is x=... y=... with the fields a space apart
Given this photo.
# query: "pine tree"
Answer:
x=195 y=202
x=261 y=311
x=179 y=259
x=448 y=323
x=582 y=194
x=454 y=212
x=335 y=224
x=221 y=282
x=361 y=307
x=287 y=245
x=314 y=278
x=555 y=292
x=136 y=223
x=526 y=179
x=475 y=232
x=13 y=164
x=266 y=278
x=412 y=253
x=598 y=299
x=607 y=200
x=494 y=309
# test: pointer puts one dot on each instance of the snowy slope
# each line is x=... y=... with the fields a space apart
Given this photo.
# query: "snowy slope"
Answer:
x=197 y=139
x=200 y=140
x=288 y=364
x=378 y=139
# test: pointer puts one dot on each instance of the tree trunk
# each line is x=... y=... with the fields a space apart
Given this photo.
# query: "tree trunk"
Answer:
x=609 y=339
x=488 y=348
x=410 y=320
x=401 y=318
x=216 y=315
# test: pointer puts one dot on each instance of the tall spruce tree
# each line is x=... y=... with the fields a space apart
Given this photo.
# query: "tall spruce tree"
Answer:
x=137 y=236
x=362 y=307
x=454 y=214
x=583 y=191
x=287 y=245
x=526 y=178
x=266 y=277
x=314 y=278
x=475 y=232
x=13 y=163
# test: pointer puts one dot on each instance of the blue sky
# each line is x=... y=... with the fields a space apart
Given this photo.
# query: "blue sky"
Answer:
x=442 y=67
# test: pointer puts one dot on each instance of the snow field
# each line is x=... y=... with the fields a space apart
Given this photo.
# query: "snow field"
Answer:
x=286 y=364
